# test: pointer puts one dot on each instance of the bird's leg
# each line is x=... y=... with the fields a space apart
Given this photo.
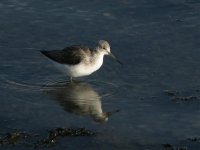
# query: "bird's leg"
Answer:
x=71 y=79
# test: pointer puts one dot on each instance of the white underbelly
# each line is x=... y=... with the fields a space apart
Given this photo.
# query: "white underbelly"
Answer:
x=79 y=69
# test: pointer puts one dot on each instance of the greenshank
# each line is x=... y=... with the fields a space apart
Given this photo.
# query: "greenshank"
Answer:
x=77 y=61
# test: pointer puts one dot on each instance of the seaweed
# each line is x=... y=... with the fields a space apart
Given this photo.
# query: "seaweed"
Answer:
x=55 y=134
x=176 y=96
x=174 y=147
x=36 y=141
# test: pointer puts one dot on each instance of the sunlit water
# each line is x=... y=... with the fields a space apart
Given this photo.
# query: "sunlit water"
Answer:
x=158 y=42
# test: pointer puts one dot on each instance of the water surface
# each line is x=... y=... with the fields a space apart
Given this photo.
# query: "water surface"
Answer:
x=158 y=41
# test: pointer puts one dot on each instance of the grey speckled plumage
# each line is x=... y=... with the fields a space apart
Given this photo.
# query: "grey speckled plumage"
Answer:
x=78 y=61
x=70 y=55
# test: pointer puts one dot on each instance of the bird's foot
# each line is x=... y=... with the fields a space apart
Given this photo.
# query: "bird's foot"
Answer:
x=71 y=79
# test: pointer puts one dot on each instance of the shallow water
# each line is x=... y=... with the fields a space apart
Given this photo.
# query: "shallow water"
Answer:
x=158 y=41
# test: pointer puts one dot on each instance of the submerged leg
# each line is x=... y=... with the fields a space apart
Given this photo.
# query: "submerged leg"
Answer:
x=71 y=79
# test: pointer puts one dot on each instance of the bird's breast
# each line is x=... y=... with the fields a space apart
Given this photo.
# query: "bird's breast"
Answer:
x=96 y=63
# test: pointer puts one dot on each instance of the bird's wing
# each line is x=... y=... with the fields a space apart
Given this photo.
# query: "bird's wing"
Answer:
x=69 y=55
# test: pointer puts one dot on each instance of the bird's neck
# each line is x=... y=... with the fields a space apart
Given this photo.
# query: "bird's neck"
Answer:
x=99 y=51
x=97 y=58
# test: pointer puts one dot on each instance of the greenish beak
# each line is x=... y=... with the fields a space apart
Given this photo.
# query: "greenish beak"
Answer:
x=115 y=58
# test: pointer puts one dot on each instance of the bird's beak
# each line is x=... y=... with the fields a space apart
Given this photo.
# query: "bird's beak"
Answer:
x=114 y=57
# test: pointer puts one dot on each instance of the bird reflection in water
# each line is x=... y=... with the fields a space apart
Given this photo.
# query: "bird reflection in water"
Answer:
x=80 y=98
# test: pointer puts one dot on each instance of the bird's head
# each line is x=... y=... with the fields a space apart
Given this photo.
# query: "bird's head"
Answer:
x=104 y=47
